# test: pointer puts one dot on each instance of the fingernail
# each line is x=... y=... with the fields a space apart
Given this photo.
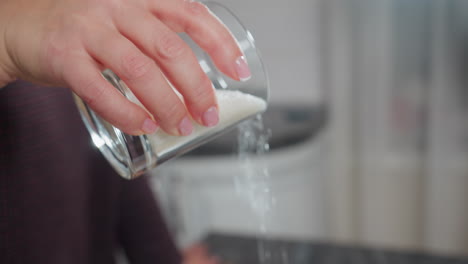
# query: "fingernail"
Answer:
x=242 y=69
x=149 y=126
x=211 y=117
x=185 y=127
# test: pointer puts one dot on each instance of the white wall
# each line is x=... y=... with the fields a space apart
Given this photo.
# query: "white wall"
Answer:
x=398 y=123
x=286 y=32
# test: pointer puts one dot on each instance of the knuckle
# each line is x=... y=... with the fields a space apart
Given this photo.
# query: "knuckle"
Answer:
x=174 y=111
x=128 y=119
x=79 y=23
x=196 y=8
x=213 y=46
x=226 y=37
x=171 y=46
x=202 y=92
x=219 y=43
x=136 y=66
x=52 y=51
x=92 y=92
x=57 y=48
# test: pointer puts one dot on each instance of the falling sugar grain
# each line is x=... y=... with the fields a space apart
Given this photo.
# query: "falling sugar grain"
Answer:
x=254 y=185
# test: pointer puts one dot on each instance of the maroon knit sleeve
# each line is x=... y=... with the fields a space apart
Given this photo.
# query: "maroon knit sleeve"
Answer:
x=60 y=202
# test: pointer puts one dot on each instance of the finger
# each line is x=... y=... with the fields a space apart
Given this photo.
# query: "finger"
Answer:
x=198 y=253
x=85 y=79
x=196 y=250
x=208 y=32
x=143 y=77
x=203 y=260
x=207 y=260
x=176 y=60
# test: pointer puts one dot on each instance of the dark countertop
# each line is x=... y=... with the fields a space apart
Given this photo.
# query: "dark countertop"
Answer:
x=235 y=249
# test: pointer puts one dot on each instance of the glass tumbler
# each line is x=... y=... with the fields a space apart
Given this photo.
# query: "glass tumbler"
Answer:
x=132 y=156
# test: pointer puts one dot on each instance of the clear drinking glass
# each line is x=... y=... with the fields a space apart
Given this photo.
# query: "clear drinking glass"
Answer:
x=133 y=155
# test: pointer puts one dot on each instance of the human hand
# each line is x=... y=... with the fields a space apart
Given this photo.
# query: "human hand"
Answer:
x=198 y=254
x=69 y=43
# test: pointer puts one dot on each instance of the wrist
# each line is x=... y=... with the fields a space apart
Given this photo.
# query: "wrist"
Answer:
x=6 y=75
x=5 y=79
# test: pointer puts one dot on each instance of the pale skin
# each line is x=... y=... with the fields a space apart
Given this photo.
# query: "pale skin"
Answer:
x=69 y=42
x=198 y=254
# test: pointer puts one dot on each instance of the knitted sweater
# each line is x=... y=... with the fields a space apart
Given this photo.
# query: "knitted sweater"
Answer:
x=60 y=202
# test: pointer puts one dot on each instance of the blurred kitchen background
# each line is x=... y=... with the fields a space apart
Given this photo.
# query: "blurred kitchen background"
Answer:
x=369 y=123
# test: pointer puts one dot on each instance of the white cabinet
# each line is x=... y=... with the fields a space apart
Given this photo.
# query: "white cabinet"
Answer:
x=200 y=195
